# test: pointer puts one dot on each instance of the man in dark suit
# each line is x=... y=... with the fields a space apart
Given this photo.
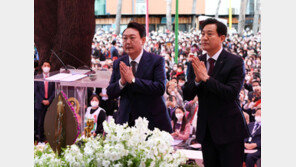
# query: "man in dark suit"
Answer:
x=217 y=78
x=113 y=50
x=44 y=94
x=139 y=79
x=254 y=141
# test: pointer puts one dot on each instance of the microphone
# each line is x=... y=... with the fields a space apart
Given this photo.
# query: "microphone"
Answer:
x=66 y=69
x=90 y=72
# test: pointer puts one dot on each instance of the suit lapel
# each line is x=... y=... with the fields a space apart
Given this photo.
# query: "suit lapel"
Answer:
x=204 y=59
x=219 y=63
x=125 y=60
x=142 y=64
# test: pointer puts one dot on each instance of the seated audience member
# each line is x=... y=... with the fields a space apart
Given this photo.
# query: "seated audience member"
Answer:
x=97 y=114
x=171 y=104
x=180 y=86
x=181 y=129
x=254 y=141
x=255 y=95
x=180 y=72
x=192 y=108
x=173 y=90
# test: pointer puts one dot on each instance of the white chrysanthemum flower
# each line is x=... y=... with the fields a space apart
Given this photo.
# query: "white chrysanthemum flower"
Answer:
x=120 y=141
x=106 y=163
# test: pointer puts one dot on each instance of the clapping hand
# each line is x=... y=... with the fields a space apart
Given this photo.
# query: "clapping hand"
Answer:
x=123 y=81
x=200 y=70
x=250 y=146
x=126 y=73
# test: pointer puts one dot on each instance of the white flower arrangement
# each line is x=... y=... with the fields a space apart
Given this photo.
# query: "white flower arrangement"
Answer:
x=122 y=146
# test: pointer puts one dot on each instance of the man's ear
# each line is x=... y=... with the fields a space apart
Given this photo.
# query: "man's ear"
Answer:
x=143 y=40
x=222 y=37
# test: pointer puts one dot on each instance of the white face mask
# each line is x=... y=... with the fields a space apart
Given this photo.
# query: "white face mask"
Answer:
x=179 y=116
x=258 y=118
x=181 y=83
x=94 y=103
x=174 y=68
x=45 y=69
x=247 y=77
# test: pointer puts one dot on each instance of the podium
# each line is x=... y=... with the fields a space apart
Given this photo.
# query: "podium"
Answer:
x=76 y=91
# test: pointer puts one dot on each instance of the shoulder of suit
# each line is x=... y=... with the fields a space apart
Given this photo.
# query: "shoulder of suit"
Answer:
x=153 y=56
x=232 y=56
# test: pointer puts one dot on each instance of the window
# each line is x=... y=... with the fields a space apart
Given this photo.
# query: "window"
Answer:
x=100 y=7
x=140 y=7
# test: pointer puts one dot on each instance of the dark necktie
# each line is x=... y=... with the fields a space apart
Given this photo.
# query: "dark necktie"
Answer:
x=133 y=63
x=211 y=69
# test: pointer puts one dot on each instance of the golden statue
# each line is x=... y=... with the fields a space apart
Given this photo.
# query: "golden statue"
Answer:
x=59 y=130
x=89 y=127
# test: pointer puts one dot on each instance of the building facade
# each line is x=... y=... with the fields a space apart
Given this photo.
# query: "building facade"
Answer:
x=105 y=12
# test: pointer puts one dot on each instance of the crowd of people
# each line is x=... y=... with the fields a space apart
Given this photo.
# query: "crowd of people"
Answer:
x=182 y=107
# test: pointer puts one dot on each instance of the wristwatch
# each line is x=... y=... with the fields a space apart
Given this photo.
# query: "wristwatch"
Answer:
x=134 y=80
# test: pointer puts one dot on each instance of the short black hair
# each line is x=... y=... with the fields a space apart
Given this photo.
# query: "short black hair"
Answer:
x=92 y=96
x=221 y=28
x=139 y=27
x=182 y=77
x=254 y=81
x=45 y=61
x=113 y=42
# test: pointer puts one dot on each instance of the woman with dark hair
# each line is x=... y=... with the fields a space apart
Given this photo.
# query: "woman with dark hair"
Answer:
x=181 y=129
x=96 y=113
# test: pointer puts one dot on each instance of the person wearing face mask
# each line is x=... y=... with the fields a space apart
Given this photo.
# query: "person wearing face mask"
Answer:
x=96 y=113
x=171 y=104
x=181 y=129
x=167 y=72
x=172 y=89
x=174 y=70
x=254 y=141
x=44 y=94
x=180 y=71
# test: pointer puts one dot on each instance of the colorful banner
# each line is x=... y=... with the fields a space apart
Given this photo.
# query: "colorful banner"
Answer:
x=230 y=15
x=147 y=19
x=176 y=31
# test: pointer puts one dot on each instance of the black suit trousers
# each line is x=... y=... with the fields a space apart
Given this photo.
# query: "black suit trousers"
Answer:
x=40 y=125
x=222 y=155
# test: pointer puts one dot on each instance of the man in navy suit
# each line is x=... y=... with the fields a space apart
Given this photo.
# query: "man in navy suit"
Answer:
x=44 y=94
x=138 y=78
x=217 y=78
x=254 y=141
x=113 y=50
